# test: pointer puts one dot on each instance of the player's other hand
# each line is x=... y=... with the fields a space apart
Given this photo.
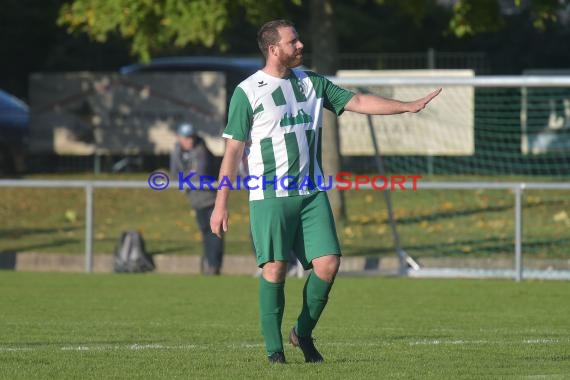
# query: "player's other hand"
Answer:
x=219 y=221
x=420 y=104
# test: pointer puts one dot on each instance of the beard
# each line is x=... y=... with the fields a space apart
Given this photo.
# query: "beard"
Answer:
x=291 y=61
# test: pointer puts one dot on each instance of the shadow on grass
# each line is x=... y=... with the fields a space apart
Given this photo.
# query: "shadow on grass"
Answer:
x=13 y=233
x=451 y=214
x=477 y=248
x=535 y=245
x=435 y=216
x=31 y=247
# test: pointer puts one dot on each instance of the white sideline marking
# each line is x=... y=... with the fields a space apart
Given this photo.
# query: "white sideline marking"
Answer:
x=13 y=349
x=438 y=342
x=133 y=347
x=539 y=341
x=526 y=341
x=186 y=347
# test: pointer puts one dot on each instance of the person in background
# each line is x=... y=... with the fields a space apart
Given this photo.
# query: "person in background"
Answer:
x=190 y=154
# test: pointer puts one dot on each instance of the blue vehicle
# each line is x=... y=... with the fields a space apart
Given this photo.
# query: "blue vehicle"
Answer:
x=235 y=69
x=14 y=133
x=245 y=66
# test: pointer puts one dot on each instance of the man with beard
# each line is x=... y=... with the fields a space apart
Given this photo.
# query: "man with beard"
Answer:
x=277 y=113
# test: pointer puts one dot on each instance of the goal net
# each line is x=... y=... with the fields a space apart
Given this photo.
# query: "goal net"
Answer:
x=479 y=131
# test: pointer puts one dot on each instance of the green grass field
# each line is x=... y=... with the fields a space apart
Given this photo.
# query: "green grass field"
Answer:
x=459 y=223
x=166 y=326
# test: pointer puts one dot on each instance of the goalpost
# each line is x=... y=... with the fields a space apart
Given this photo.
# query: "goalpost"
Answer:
x=510 y=130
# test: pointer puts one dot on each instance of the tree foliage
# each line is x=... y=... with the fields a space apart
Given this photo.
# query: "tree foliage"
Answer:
x=472 y=17
x=152 y=25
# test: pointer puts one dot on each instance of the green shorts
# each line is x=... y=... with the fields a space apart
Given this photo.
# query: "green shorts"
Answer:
x=304 y=224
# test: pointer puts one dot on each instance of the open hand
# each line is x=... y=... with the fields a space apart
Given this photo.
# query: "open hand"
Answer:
x=420 y=104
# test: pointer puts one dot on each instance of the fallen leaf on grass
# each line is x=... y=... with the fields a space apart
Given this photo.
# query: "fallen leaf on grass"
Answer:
x=362 y=219
x=70 y=216
x=348 y=232
x=562 y=217
x=381 y=230
x=533 y=200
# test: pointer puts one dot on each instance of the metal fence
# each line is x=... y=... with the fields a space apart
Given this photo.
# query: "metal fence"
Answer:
x=517 y=189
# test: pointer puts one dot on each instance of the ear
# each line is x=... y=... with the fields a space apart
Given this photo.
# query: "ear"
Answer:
x=273 y=50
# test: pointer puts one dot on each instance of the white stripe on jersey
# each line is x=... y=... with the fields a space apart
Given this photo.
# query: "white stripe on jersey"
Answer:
x=266 y=124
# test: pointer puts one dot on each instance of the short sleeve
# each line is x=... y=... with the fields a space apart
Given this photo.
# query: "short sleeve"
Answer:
x=334 y=97
x=240 y=117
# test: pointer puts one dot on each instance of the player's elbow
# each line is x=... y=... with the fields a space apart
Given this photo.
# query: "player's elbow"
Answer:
x=355 y=104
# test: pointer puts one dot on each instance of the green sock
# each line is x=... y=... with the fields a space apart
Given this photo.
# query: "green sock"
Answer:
x=315 y=297
x=271 y=306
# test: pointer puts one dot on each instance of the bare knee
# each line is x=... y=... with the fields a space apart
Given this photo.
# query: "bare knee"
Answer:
x=326 y=267
x=275 y=271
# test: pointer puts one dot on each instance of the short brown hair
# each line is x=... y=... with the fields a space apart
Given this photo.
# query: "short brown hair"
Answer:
x=268 y=34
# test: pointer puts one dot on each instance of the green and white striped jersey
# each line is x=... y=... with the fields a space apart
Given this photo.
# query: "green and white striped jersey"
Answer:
x=280 y=119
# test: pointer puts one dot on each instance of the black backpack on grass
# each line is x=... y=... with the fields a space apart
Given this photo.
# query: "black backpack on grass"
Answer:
x=130 y=254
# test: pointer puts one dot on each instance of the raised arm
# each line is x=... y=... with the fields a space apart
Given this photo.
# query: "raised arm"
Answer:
x=228 y=169
x=377 y=105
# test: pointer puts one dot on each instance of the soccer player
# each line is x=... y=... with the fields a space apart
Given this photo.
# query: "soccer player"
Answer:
x=278 y=113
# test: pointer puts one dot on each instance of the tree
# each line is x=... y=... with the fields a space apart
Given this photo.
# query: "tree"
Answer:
x=323 y=33
x=153 y=26
x=472 y=17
